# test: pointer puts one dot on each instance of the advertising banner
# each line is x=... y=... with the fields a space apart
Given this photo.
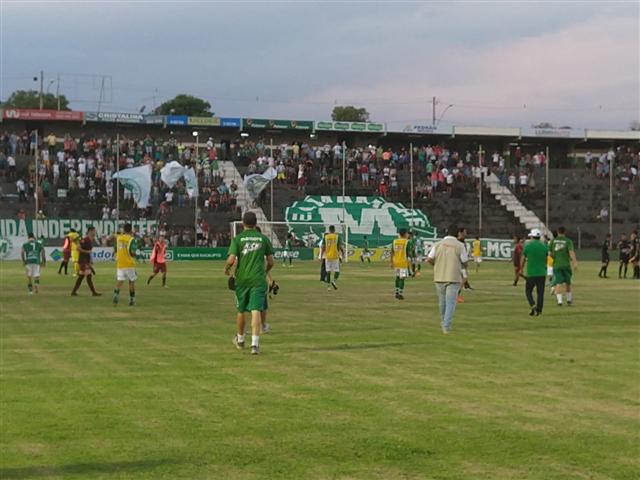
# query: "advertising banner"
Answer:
x=177 y=120
x=350 y=126
x=114 y=117
x=204 y=121
x=550 y=132
x=277 y=124
x=372 y=217
x=154 y=119
x=230 y=122
x=58 y=228
x=34 y=114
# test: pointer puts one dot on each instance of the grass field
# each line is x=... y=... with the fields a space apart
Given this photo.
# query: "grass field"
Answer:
x=350 y=385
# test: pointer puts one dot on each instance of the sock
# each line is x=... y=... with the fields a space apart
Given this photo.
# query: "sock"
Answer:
x=401 y=285
x=61 y=267
x=90 y=283
x=164 y=280
x=66 y=265
x=636 y=271
x=337 y=275
x=132 y=295
x=570 y=297
x=149 y=279
x=620 y=271
x=559 y=297
x=78 y=283
x=30 y=287
x=255 y=340
x=240 y=338
x=328 y=277
x=116 y=292
x=361 y=258
x=397 y=289
x=36 y=281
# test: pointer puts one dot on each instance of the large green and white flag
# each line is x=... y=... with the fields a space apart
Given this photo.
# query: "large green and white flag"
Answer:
x=371 y=217
x=257 y=182
x=138 y=180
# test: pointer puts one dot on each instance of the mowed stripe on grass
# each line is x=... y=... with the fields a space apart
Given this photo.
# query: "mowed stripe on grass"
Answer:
x=351 y=384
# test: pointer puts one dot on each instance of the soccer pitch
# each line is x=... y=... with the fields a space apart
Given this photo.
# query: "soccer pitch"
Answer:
x=351 y=384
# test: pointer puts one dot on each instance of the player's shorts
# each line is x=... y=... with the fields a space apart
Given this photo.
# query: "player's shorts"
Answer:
x=401 y=272
x=549 y=271
x=477 y=259
x=562 y=275
x=249 y=299
x=33 y=270
x=126 y=274
x=332 y=265
x=605 y=258
x=75 y=256
x=82 y=266
x=66 y=255
x=160 y=267
x=464 y=273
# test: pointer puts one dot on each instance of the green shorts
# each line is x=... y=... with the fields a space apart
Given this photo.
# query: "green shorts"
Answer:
x=249 y=299
x=562 y=275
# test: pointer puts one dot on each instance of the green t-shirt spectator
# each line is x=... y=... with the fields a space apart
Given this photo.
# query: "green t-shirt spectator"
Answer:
x=250 y=248
x=536 y=254
x=560 y=248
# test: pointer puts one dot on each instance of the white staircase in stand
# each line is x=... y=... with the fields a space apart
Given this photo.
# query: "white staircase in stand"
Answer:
x=230 y=172
x=509 y=201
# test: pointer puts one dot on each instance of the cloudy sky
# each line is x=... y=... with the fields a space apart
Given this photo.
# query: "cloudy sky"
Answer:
x=497 y=63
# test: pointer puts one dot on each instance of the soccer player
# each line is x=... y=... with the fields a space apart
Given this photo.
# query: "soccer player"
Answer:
x=366 y=253
x=74 y=237
x=125 y=264
x=66 y=252
x=33 y=257
x=84 y=262
x=476 y=252
x=287 y=252
x=332 y=251
x=250 y=249
x=624 y=249
x=418 y=248
x=462 y=238
x=635 y=254
x=411 y=253
x=604 y=256
x=564 y=260
x=517 y=256
x=534 y=256
x=158 y=259
x=400 y=261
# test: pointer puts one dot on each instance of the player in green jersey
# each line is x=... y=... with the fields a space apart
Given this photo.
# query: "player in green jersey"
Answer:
x=411 y=253
x=287 y=253
x=564 y=264
x=33 y=257
x=248 y=252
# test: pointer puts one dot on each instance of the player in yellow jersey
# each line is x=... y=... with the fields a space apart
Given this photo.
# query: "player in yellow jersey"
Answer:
x=125 y=264
x=332 y=251
x=476 y=252
x=74 y=238
x=400 y=261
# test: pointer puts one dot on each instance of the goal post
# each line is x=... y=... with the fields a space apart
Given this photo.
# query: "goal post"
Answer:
x=303 y=234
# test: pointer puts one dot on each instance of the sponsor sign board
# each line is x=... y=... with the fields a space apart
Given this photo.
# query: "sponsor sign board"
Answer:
x=350 y=126
x=34 y=114
x=204 y=121
x=114 y=117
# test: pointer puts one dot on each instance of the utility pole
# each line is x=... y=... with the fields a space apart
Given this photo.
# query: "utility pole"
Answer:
x=433 y=112
x=58 y=92
x=41 y=89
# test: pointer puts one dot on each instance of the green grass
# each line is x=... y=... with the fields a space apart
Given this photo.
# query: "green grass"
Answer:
x=351 y=384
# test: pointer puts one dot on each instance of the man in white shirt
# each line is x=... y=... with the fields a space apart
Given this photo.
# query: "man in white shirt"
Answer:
x=11 y=162
x=22 y=191
x=449 y=258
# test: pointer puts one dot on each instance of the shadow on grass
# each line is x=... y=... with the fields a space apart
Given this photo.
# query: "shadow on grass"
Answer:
x=347 y=346
x=85 y=470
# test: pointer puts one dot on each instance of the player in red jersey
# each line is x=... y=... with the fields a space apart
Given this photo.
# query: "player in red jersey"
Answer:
x=84 y=262
x=517 y=255
x=159 y=261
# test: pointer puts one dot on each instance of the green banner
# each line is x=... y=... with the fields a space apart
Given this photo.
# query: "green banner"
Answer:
x=350 y=126
x=204 y=121
x=371 y=217
x=58 y=228
x=277 y=124
x=217 y=253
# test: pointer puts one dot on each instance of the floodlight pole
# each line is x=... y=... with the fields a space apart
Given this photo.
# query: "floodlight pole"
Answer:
x=480 y=152
x=546 y=191
x=611 y=165
x=195 y=208
x=271 y=182
x=117 y=180
x=36 y=184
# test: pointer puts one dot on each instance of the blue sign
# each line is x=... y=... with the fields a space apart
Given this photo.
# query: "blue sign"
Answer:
x=230 y=122
x=177 y=120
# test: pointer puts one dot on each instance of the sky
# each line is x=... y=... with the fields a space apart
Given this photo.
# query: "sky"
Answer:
x=495 y=63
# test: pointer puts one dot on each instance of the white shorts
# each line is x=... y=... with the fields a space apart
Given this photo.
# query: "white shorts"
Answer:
x=401 y=272
x=549 y=271
x=126 y=274
x=33 y=270
x=332 y=265
x=477 y=259
x=464 y=273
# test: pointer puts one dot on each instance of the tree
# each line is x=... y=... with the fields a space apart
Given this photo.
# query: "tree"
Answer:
x=349 y=113
x=635 y=126
x=184 y=104
x=31 y=99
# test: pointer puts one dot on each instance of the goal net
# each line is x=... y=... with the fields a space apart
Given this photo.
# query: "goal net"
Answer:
x=300 y=234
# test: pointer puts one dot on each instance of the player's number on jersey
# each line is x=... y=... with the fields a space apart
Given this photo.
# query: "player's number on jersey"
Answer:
x=251 y=247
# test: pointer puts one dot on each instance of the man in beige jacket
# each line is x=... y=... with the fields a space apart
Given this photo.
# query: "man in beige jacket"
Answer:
x=449 y=258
